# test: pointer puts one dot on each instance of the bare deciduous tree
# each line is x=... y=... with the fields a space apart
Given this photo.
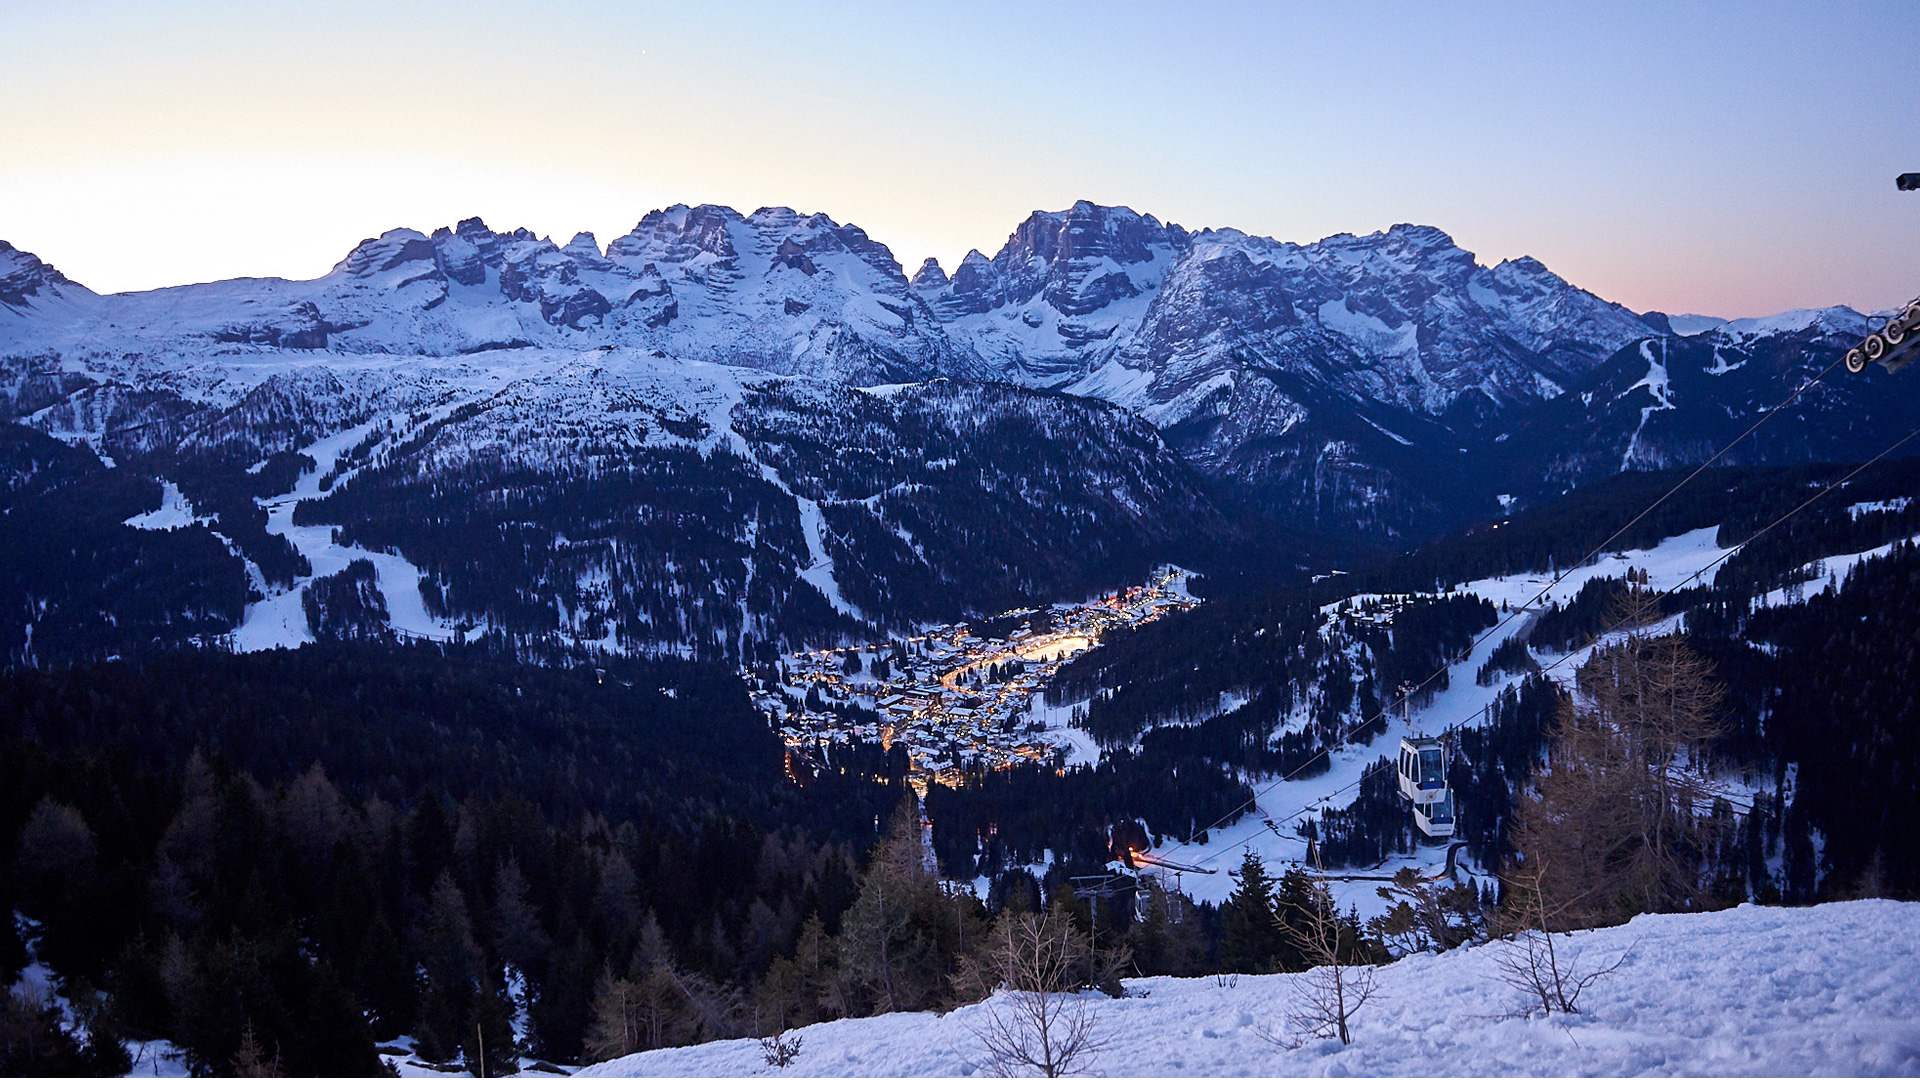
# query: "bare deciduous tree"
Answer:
x=1616 y=824
x=1039 y=1020
x=1428 y=914
x=621 y=1020
x=780 y=1049
x=1334 y=988
x=1529 y=959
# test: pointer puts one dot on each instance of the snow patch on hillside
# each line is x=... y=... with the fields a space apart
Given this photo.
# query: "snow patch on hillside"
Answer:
x=1821 y=572
x=1369 y=333
x=1843 y=321
x=1879 y=506
x=1401 y=439
x=1668 y=564
x=280 y=620
x=1659 y=387
x=1744 y=992
x=175 y=512
x=1720 y=365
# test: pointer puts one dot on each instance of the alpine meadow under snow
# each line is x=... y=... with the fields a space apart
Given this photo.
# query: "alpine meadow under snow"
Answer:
x=1820 y=991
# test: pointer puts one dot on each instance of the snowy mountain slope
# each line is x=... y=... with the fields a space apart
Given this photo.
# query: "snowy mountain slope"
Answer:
x=611 y=498
x=1741 y=992
x=1403 y=317
x=28 y=285
x=1384 y=383
x=1384 y=387
x=1840 y=320
x=1277 y=365
x=1674 y=401
x=1269 y=830
x=650 y=503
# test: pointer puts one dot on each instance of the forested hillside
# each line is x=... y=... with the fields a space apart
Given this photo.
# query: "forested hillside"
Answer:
x=324 y=848
x=1808 y=652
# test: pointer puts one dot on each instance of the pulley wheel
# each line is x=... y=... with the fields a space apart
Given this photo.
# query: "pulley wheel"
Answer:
x=1895 y=330
x=1875 y=346
x=1856 y=361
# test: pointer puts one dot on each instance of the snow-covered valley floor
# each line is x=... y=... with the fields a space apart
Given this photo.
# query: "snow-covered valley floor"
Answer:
x=1751 y=991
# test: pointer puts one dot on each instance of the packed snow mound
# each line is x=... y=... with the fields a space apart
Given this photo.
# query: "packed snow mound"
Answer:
x=1749 y=991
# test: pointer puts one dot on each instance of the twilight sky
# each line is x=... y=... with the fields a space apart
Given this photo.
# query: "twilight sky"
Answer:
x=1731 y=159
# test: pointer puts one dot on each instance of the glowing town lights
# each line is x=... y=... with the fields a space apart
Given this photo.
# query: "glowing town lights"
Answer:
x=954 y=695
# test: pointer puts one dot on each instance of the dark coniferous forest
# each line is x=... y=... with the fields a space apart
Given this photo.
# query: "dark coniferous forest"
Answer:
x=348 y=843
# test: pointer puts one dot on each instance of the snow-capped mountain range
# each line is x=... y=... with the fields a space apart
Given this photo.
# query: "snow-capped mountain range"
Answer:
x=1096 y=300
x=1378 y=387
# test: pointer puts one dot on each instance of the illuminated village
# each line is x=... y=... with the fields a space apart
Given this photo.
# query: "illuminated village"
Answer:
x=959 y=694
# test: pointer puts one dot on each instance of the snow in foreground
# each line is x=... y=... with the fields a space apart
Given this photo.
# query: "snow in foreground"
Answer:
x=1751 y=991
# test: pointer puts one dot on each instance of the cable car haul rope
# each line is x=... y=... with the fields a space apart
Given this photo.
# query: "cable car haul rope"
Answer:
x=1893 y=345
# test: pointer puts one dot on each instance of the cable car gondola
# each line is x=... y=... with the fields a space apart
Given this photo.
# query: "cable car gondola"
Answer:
x=1423 y=770
x=1435 y=818
x=1423 y=783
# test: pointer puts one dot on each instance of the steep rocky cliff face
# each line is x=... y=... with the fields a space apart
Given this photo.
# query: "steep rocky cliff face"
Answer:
x=1317 y=380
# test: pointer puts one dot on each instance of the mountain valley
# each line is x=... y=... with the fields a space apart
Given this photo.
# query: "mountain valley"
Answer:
x=716 y=632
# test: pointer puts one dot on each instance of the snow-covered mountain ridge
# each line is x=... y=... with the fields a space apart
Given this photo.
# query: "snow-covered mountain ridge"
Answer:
x=1380 y=388
x=1743 y=992
x=608 y=498
x=774 y=290
x=1405 y=316
x=1355 y=384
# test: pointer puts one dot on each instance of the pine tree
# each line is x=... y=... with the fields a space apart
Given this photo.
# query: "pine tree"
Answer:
x=452 y=968
x=561 y=1012
x=488 y=1036
x=251 y=1059
x=517 y=934
x=890 y=939
x=340 y=1042
x=799 y=990
x=1250 y=937
x=384 y=978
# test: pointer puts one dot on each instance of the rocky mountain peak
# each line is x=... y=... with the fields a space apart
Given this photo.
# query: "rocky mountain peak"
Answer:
x=679 y=234
x=1086 y=231
x=23 y=275
x=929 y=277
x=389 y=250
x=1424 y=236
